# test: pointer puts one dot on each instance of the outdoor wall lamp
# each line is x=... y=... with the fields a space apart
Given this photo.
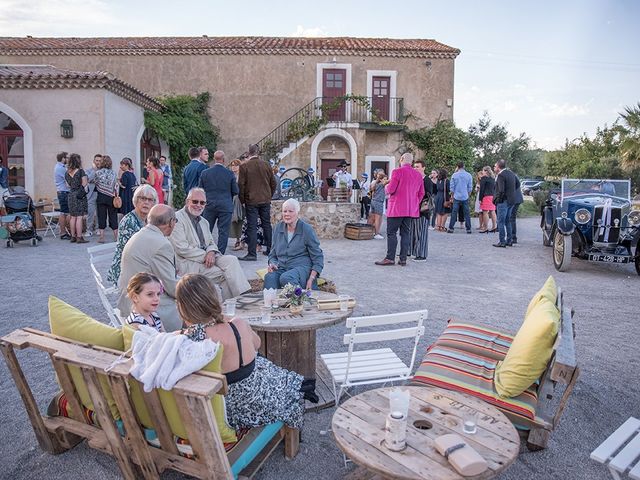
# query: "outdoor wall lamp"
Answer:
x=428 y=64
x=66 y=129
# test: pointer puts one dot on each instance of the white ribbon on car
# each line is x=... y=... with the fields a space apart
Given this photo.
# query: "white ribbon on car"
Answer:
x=605 y=220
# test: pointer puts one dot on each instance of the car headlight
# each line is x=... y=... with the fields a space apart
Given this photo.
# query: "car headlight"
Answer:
x=634 y=218
x=582 y=216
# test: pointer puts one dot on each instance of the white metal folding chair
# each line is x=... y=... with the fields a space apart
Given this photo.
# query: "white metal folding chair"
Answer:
x=382 y=365
x=620 y=452
x=97 y=254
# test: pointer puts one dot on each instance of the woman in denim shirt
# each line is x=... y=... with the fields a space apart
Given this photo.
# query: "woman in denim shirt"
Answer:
x=296 y=256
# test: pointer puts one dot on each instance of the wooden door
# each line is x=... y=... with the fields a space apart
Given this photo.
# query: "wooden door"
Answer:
x=379 y=165
x=380 y=100
x=334 y=84
x=327 y=169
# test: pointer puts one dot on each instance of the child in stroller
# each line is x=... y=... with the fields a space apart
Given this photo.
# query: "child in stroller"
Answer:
x=18 y=224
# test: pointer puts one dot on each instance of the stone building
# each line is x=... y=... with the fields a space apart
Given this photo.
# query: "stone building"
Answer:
x=271 y=91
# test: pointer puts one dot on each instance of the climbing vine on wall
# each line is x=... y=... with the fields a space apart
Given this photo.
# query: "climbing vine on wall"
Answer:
x=183 y=123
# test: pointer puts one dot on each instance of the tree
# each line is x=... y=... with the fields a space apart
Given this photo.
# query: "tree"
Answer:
x=444 y=145
x=183 y=123
x=630 y=138
x=493 y=142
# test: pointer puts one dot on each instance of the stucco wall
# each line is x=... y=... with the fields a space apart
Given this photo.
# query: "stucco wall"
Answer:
x=123 y=126
x=43 y=110
x=252 y=94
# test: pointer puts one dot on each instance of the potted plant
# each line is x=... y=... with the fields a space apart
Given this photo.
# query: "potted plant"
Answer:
x=295 y=296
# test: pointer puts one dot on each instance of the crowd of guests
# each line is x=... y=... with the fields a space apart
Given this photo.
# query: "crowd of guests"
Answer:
x=173 y=275
x=93 y=199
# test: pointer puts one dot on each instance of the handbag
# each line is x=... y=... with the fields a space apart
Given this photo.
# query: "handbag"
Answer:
x=426 y=205
x=117 y=202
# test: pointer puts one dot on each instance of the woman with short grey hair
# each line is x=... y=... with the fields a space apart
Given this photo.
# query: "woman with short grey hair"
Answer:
x=296 y=256
x=144 y=197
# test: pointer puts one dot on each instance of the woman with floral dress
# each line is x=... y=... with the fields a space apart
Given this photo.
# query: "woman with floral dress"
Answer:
x=260 y=393
x=144 y=198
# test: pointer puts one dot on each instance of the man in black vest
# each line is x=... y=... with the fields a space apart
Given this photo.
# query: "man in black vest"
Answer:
x=505 y=198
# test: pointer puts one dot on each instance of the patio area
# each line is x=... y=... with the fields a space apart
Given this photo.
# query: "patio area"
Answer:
x=464 y=277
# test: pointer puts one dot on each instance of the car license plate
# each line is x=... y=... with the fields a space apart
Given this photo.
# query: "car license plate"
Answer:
x=603 y=257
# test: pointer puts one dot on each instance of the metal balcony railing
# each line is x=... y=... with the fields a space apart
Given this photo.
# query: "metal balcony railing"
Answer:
x=322 y=110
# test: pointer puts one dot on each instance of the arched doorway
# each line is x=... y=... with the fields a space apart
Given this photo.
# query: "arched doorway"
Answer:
x=149 y=147
x=12 y=149
x=324 y=160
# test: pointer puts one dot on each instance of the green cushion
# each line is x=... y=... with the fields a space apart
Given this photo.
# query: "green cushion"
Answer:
x=69 y=322
x=169 y=405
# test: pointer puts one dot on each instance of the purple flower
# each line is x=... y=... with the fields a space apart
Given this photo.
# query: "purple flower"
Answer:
x=298 y=291
x=308 y=293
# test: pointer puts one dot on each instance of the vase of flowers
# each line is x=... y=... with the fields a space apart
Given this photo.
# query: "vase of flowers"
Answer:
x=295 y=297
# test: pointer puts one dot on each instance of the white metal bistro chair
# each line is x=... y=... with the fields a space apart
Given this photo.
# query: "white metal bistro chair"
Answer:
x=97 y=254
x=51 y=223
x=621 y=450
x=382 y=365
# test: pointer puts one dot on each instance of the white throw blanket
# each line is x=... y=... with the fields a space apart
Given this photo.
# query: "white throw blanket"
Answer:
x=161 y=359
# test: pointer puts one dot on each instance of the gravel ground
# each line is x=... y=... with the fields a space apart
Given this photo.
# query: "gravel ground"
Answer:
x=464 y=277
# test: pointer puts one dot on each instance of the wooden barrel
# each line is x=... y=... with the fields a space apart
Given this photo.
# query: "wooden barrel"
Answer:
x=359 y=231
x=338 y=195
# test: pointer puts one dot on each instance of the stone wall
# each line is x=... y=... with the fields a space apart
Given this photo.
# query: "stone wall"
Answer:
x=327 y=218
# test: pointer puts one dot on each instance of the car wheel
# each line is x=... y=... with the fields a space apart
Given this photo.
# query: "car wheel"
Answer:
x=562 y=246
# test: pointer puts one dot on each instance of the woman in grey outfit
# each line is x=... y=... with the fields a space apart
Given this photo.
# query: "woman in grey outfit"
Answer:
x=296 y=256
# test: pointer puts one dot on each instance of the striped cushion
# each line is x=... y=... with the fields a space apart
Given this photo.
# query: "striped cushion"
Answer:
x=470 y=373
x=476 y=339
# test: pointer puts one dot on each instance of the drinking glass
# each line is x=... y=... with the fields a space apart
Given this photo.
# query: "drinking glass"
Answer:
x=230 y=307
x=265 y=315
x=470 y=421
x=344 y=302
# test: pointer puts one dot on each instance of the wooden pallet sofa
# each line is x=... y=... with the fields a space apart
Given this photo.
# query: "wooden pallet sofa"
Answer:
x=183 y=429
x=528 y=376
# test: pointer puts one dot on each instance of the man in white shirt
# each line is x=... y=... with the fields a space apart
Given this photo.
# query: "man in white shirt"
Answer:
x=343 y=178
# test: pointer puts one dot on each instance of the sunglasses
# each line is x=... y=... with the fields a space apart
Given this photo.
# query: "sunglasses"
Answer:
x=198 y=202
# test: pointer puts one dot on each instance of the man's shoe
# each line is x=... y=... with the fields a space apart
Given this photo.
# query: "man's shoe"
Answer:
x=449 y=231
x=73 y=240
x=514 y=241
x=66 y=236
x=377 y=236
x=469 y=232
x=385 y=261
x=500 y=245
x=248 y=258
x=402 y=263
x=419 y=259
x=509 y=244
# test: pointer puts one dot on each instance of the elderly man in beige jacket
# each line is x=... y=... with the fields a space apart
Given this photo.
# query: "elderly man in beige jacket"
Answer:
x=196 y=251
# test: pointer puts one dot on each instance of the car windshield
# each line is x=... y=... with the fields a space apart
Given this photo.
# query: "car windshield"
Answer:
x=615 y=188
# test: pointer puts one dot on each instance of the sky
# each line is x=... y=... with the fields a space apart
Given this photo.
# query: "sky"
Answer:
x=554 y=70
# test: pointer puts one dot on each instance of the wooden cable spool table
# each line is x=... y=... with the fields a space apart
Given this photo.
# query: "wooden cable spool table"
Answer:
x=359 y=429
x=290 y=339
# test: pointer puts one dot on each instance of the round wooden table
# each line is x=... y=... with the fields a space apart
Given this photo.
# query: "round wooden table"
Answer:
x=290 y=339
x=359 y=429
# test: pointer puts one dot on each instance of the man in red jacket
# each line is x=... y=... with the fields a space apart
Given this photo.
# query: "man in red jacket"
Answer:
x=405 y=191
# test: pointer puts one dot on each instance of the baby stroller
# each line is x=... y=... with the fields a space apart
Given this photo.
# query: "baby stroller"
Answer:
x=18 y=225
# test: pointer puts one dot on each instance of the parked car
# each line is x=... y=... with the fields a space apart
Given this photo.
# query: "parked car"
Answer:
x=591 y=220
x=529 y=186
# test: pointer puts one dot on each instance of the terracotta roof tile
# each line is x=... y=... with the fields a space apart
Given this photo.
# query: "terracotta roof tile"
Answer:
x=381 y=47
x=47 y=76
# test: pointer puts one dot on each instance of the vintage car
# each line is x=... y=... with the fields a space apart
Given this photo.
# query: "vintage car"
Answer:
x=591 y=220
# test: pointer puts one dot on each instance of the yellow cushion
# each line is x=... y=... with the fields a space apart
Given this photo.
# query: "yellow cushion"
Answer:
x=530 y=351
x=169 y=405
x=69 y=322
x=549 y=291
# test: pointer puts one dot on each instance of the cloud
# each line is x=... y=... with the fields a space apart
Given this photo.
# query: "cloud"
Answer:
x=566 y=109
x=54 y=17
x=309 y=32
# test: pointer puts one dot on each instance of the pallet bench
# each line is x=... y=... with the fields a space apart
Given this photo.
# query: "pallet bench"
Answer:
x=466 y=354
x=621 y=450
x=134 y=455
